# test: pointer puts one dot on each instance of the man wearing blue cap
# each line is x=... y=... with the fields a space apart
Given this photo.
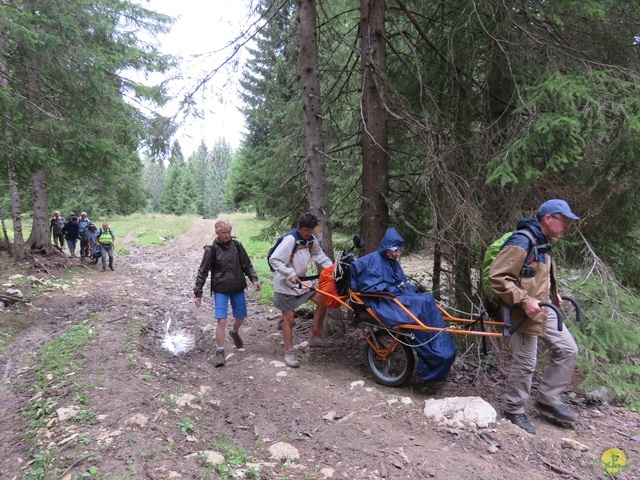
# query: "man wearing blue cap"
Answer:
x=522 y=288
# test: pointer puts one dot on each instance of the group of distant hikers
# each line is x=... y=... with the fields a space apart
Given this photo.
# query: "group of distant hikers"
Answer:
x=95 y=243
x=522 y=274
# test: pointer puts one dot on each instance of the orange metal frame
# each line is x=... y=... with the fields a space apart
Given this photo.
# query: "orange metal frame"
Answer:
x=357 y=297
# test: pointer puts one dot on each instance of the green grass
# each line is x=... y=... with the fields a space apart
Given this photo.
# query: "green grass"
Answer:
x=57 y=359
x=60 y=356
x=150 y=230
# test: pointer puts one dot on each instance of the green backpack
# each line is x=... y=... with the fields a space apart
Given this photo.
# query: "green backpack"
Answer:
x=494 y=249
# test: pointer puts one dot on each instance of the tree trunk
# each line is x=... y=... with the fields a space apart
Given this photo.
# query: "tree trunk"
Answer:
x=40 y=238
x=14 y=194
x=375 y=137
x=437 y=271
x=16 y=211
x=313 y=136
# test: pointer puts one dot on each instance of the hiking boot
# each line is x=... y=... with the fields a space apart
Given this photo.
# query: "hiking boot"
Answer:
x=318 y=341
x=219 y=361
x=111 y=267
x=291 y=359
x=237 y=341
x=558 y=411
x=521 y=420
x=104 y=269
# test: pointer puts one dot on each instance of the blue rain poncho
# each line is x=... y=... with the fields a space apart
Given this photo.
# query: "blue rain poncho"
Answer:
x=377 y=273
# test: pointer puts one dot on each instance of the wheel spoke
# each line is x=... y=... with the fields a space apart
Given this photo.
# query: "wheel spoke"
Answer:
x=387 y=366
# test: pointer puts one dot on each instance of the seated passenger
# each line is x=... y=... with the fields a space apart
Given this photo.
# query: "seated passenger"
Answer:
x=380 y=272
x=91 y=239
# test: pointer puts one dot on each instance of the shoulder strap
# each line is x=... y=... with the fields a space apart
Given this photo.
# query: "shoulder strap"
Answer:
x=214 y=250
x=532 y=252
x=299 y=240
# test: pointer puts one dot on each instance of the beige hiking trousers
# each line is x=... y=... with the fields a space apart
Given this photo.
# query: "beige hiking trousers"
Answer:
x=557 y=376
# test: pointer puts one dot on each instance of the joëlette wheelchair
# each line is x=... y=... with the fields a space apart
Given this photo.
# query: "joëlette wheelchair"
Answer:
x=389 y=353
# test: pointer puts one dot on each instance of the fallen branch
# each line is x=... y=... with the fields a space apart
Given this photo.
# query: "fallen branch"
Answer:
x=10 y=298
x=562 y=471
x=117 y=319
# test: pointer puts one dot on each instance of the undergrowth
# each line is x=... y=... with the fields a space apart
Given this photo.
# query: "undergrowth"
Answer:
x=608 y=337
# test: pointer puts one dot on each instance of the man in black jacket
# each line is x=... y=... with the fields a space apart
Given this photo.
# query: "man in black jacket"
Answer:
x=70 y=231
x=228 y=262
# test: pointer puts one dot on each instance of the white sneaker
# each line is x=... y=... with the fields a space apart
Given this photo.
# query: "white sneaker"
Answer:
x=291 y=358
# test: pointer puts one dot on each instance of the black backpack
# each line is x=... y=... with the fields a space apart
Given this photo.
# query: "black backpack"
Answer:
x=299 y=242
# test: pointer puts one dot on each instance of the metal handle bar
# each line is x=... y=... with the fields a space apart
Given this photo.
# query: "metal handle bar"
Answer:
x=576 y=306
x=509 y=329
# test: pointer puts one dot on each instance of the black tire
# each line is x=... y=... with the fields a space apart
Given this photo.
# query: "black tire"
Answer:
x=397 y=368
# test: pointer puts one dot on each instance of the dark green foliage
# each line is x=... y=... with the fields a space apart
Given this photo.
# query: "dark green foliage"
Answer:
x=493 y=108
x=271 y=158
x=153 y=178
x=609 y=338
x=64 y=64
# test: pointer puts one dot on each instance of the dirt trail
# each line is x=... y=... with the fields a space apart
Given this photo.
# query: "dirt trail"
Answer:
x=153 y=411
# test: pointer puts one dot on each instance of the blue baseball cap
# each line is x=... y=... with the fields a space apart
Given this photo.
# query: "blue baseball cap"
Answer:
x=557 y=206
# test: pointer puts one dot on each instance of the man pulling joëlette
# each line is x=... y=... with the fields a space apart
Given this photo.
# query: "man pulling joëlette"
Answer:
x=522 y=291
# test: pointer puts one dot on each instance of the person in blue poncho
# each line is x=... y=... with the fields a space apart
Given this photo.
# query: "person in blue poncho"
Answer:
x=380 y=272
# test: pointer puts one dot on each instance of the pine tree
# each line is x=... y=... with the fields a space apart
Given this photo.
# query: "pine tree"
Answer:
x=153 y=179
x=64 y=62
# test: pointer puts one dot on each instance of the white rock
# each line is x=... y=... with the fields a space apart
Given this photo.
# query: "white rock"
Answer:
x=15 y=292
x=16 y=276
x=330 y=415
x=406 y=400
x=186 y=400
x=138 y=420
x=209 y=456
x=283 y=451
x=572 y=444
x=282 y=373
x=460 y=411
x=277 y=363
x=327 y=472
x=357 y=383
x=66 y=412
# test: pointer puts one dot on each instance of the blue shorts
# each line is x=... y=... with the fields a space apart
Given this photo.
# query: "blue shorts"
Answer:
x=71 y=243
x=238 y=304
